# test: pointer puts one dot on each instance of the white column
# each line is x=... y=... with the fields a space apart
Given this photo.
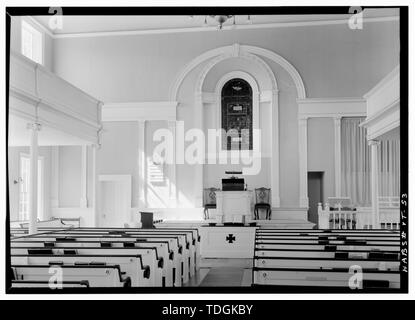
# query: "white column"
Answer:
x=302 y=143
x=142 y=165
x=198 y=178
x=374 y=146
x=54 y=201
x=337 y=156
x=95 y=191
x=275 y=153
x=84 y=177
x=172 y=167
x=33 y=192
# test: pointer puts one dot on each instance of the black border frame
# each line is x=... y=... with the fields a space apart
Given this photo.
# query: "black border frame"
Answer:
x=169 y=10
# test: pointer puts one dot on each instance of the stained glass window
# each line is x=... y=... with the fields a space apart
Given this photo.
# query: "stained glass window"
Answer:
x=237 y=115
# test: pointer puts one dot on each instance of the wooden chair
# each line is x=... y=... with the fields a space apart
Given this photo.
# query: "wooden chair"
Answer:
x=262 y=196
x=209 y=201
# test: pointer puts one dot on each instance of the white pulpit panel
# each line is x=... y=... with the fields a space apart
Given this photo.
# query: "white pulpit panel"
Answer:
x=227 y=242
x=232 y=205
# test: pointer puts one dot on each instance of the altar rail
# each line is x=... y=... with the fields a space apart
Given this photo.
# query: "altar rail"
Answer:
x=359 y=219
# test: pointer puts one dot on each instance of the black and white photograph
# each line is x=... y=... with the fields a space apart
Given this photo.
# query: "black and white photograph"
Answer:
x=170 y=150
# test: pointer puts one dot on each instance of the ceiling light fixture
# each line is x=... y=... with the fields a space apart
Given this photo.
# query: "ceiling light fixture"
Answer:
x=222 y=19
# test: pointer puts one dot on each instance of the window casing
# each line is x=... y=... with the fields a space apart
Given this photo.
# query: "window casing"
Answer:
x=32 y=43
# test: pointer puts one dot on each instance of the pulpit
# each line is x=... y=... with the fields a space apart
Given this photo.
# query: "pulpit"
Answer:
x=233 y=206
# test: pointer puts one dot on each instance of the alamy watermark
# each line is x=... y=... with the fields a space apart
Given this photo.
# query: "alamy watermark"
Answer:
x=193 y=147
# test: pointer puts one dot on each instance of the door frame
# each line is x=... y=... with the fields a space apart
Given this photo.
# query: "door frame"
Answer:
x=321 y=175
x=125 y=179
x=40 y=185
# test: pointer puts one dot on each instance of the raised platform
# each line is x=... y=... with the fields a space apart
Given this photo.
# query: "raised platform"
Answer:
x=272 y=224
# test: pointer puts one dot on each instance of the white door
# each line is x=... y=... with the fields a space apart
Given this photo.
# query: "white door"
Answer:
x=115 y=200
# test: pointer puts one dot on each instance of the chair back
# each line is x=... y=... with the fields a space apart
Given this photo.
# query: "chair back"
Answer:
x=262 y=195
x=209 y=196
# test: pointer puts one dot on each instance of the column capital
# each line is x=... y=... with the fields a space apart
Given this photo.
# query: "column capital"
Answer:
x=34 y=126
x=302 y=120
x=337 y=119
x=373 y=142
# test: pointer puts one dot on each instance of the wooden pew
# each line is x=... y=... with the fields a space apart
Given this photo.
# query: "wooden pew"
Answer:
x=182 y=253
x=163 y=255
x=192 y=243
x=305 y=247
x=323 y=258
x=330 y=237
x=348 y=231
x=361 y=254
x=328 y=241
x=46 y=284
x=130 y=264
x=106 y=276
x=147 y=269
x=196 y=239
x=188 y=250
x=175 y=250
x=372 y=279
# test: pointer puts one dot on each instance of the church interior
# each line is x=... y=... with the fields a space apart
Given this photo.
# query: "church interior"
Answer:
x=173 y=151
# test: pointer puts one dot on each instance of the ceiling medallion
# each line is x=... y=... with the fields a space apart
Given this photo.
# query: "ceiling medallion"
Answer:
x=221 y=19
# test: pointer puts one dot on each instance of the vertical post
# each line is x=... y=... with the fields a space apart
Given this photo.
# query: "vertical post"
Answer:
x=275 y=154
x=54 y=201
x=33 y=192
x=84 y=177
x=142 y=166
x=95 y=195
x=198 y=179
x=172 y=173
x=337 y=155
x=374 y=146
x=302 y=137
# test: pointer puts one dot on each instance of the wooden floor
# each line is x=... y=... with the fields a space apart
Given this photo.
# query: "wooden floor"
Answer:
x=223 y=273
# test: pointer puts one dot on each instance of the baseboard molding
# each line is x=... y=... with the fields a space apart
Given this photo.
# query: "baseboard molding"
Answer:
x=289 y=213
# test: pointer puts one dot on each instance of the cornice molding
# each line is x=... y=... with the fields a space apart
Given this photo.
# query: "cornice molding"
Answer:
x=208 y=29
x=331 y=107
x=394 y=74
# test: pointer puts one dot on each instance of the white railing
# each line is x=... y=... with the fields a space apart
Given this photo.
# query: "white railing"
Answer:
x=361 y=218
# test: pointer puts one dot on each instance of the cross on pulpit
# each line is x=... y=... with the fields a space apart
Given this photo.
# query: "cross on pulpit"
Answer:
x=230 y=238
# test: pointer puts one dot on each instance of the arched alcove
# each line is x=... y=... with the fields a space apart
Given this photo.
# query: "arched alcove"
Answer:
x=252 y=69
x=203 y=73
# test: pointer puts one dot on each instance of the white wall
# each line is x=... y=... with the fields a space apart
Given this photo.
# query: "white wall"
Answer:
x=320 y=153
x=69 y=176
x=119 y=152
x=333 y=60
